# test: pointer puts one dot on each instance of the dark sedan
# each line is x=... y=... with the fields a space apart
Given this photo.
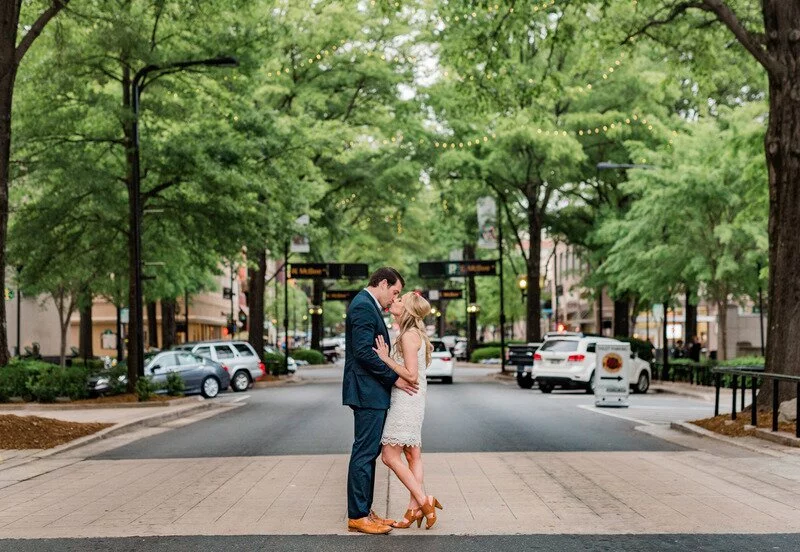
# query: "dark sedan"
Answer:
x=199 y=374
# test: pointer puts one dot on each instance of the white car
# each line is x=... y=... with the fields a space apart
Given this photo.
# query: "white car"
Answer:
x=441 y=362
x=568 y=361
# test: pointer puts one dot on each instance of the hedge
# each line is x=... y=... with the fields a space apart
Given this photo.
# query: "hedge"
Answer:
x=275 y=363
x=309 y=355
x=485 y=353
x=41 y=381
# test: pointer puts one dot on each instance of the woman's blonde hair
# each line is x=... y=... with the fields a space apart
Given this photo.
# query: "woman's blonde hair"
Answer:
x=416 y=309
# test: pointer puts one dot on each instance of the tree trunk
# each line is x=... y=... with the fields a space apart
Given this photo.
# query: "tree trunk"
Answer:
x=168 y=330
x=152 y=324
x=691 y=319
x=533 y=306
x=85 y=343
x=621 y=318
x=782 y=142
x=722 y=316
x=440 y=320
x=255 y=304
x=9 y=21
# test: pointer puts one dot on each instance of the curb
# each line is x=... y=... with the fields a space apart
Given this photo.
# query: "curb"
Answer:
x=691 y=429
x=290 y=380
x=119 y=429
x=780 y=437
x=681 y=392
x=94 y=406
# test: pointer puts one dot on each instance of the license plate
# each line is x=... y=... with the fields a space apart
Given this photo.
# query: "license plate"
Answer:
x=555 y=361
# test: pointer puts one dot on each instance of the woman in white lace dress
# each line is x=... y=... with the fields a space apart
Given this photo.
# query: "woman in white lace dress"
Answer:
x=402 y=432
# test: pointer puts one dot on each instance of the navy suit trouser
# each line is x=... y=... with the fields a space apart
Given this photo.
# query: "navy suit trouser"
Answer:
x=366 y=449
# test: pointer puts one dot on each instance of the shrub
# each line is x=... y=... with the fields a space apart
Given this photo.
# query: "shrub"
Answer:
x=274 y=363
x=145 y=388
x=743 y=361
x=174 y=386
x=309 y=355
x=485 y=353
x=92 y=365
x=53 y=381
x=14 y=381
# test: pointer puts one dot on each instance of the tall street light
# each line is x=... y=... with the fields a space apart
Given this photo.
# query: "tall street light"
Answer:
x=136 y=343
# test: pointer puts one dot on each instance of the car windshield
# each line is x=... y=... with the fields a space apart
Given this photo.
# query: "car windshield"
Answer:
x=439 y=347
x=560 y=346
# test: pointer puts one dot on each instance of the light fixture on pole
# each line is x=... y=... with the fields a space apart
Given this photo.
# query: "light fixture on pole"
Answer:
x=522 y=284
x=136 y=352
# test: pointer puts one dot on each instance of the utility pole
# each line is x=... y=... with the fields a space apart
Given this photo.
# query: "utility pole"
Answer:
x=502 y=293
x=286 y=306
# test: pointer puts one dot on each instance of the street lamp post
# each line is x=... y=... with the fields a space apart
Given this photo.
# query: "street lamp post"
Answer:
x=136 y=344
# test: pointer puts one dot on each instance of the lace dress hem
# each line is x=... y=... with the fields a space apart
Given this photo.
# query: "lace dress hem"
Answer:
x=401 y=442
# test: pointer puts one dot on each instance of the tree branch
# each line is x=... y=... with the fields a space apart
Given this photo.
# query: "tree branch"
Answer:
x=37 y=28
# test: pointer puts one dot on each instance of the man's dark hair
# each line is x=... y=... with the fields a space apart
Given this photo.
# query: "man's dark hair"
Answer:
x=386 y=273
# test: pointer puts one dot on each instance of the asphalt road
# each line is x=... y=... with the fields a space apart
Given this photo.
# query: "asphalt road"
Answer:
x=475 y=414
x=392 y=543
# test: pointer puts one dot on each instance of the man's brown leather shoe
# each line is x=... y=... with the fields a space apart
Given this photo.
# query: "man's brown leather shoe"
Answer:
x=383 y=521
x=366 y=525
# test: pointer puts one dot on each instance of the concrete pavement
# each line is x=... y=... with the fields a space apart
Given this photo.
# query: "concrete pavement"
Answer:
x=483 y=494
x=710 y=488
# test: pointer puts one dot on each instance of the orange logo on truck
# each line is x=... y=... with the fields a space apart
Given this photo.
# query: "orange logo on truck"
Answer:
x=612 y=363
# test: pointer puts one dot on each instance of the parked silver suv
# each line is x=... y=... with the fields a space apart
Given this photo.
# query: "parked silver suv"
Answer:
x=238 y=357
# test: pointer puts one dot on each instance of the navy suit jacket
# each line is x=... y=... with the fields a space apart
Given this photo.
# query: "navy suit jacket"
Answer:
x=367 y=381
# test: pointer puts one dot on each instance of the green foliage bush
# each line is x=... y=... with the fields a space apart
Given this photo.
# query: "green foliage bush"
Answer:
x=174 y=385
x=145 y=388
x=53 y=381
x=93 y=365
x=309 y=355
x=743 y=361
x=274 y=363
x=14 y=381
x=485 y=353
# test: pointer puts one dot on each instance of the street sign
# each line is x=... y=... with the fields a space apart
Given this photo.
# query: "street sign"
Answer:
x=340 y=294
x=451 y=269
x=124 y=315
x=227 y=293
x=443 y=294
x=331 y=271
x=613 y=361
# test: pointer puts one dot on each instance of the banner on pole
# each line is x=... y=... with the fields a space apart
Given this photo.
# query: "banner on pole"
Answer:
x=487 y=223
x=300 y=243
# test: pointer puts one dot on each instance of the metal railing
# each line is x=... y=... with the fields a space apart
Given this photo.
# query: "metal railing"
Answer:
x=755 y=374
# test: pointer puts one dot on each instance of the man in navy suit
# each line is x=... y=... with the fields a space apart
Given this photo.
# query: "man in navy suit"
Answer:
x=366 y=389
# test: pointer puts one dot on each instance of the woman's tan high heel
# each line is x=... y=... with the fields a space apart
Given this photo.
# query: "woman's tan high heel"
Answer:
x=411 y=516
x=429 y=511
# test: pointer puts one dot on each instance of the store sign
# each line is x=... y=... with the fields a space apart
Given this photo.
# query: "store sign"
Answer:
x=329 y=271
x=613 y=362
x=340 y=294
x=455 y=269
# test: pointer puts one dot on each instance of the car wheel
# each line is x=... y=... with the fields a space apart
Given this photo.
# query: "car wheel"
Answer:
x=240 y=381
x=448 y=379
x=210 y=387
x=546 y=387
x=525 y=381
x=590 y=385
x=643 y=383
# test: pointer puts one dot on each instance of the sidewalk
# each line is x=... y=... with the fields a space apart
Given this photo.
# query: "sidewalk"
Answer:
x=731 y=491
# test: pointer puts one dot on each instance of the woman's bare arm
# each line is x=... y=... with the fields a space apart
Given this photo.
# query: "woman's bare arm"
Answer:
x=409 y=370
